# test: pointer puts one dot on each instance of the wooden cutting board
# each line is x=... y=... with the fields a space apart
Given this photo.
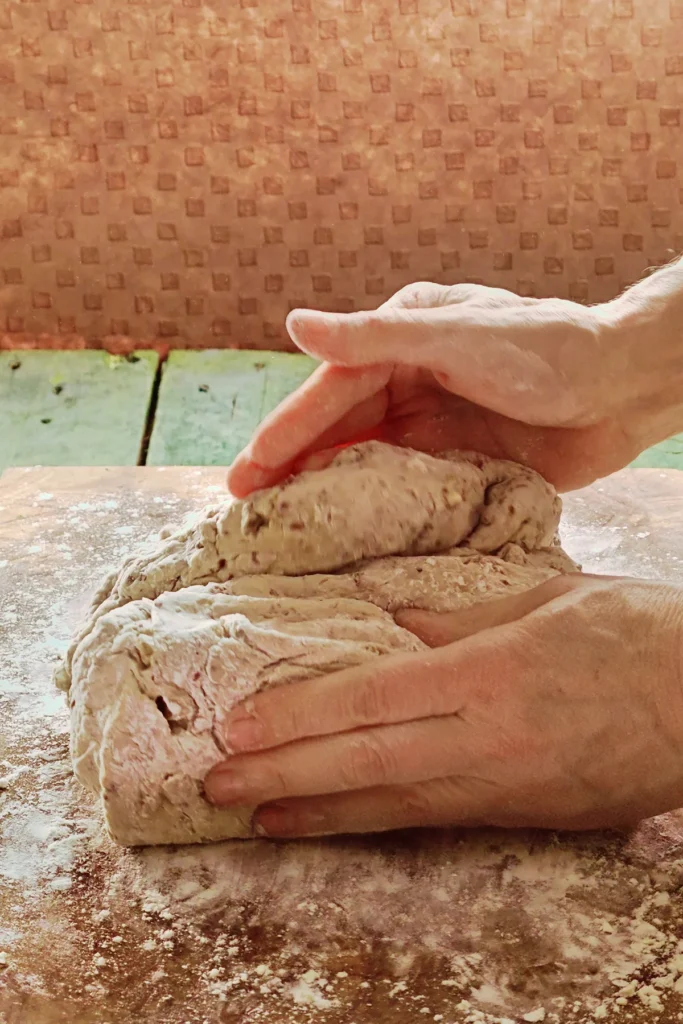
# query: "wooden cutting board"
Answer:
x=457 y=927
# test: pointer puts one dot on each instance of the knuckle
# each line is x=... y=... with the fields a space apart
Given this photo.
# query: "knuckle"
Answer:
x=483 y=295
x=284 y=719
x=511 y=748
x=404 y=296
x=370 y=704
x=417 y=295
x=426 y=293
x=369 y=763
x=295 y=719
x=296 y=722
x=443 y=693
x=276 y=784
x=415 y=806
x=498 y=297
x=519 y=746
x=464 y=292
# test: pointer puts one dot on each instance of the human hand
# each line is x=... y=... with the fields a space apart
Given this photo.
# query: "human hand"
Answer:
x=544 y=382
x=561 y=707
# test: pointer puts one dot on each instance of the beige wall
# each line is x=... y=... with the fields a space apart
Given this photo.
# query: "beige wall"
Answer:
x=190 y=171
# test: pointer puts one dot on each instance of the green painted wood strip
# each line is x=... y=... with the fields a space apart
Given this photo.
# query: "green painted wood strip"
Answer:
x=73 y=408
x=210 y=402
x=667 y=455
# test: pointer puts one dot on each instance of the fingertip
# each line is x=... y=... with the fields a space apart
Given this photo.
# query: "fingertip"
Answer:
x=293 y=322
x=212 y=786
x=340 y=338
x=237 y=477
x=246 y=476
x=432 y=628
x=309 y=327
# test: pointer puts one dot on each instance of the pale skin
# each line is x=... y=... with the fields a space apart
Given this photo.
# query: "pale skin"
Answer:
x=558 y=708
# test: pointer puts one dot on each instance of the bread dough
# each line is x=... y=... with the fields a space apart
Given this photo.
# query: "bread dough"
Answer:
x=297 y=581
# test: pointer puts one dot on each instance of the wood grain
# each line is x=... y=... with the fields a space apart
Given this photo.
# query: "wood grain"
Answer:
x=386 y=920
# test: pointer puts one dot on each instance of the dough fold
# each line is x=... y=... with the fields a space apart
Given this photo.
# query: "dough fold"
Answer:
x=298 y=581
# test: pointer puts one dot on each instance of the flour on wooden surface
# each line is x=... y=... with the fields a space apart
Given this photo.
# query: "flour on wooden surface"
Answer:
x=472 y=929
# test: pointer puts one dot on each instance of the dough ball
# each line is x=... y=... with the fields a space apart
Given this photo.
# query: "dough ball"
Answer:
x=298 y=581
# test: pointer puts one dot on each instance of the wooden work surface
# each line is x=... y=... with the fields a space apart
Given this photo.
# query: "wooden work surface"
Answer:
x=443 y=926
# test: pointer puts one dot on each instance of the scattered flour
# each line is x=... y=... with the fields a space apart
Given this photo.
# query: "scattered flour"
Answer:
x=476 y=929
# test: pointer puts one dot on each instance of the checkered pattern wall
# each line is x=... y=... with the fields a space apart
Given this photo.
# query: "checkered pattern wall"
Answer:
x=189 y=171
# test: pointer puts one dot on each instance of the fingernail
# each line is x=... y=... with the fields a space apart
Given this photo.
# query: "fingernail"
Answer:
x=273 y=820
x=244 y=732
x=224 y=787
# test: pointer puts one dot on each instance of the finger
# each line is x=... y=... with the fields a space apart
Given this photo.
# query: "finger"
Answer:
x=388 y=335
x=451 y=801
x=409 y=752
x=364 y=423
x=437 y=630
x=463 y=345
x=330 y=394
x=361 y=423
x=403 y=332
x=396 y=688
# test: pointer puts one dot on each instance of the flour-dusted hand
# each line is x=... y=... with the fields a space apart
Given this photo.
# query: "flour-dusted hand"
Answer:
x=534 y=713
x=574 y=392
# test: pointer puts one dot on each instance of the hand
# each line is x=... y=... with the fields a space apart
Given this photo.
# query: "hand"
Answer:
x=538 y=381
x=558 y=708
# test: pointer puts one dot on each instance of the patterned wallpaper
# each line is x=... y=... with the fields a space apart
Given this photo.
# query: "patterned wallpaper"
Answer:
x=189 y=171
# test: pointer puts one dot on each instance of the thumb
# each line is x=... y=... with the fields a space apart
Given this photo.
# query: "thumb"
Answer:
x=486 y=356
x=437 y=630
x=391 y=334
